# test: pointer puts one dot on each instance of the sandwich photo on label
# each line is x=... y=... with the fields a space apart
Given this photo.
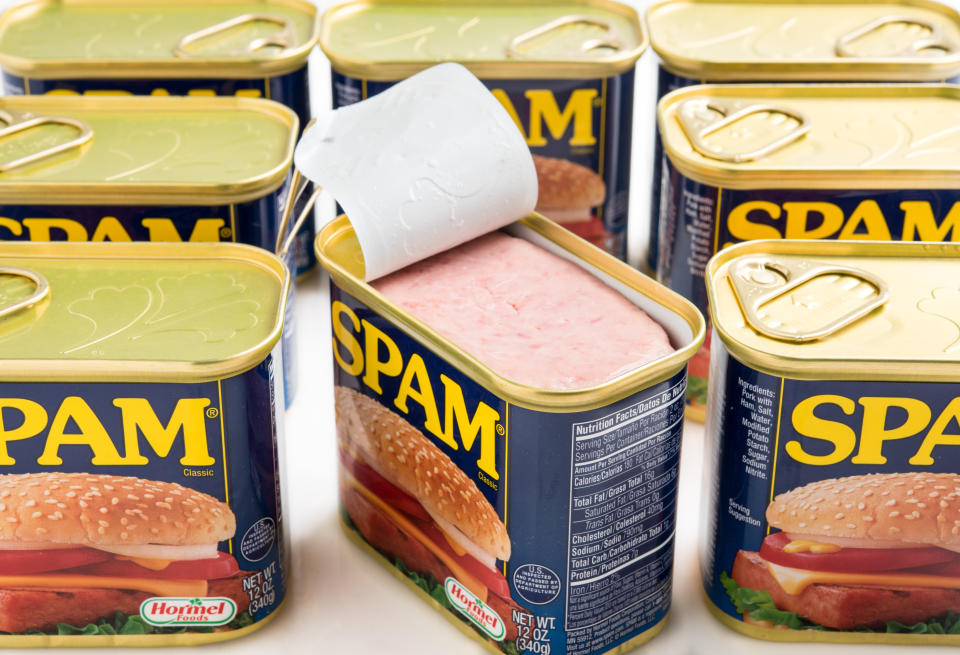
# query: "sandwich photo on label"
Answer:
x=413 y=505
x=876 y=552
x=80 y=552
x=569 y=194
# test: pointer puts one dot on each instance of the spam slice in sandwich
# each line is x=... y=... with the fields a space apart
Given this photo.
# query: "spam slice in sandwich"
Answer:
x=78 y=547
x=861 y=551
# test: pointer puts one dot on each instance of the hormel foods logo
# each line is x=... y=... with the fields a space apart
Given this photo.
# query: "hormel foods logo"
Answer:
x=474 y=609
x=161 y=611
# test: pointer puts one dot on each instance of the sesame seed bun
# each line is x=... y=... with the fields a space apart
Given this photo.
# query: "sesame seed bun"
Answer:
x=566 y=185
x=107 y=510
x=915 y=508
x=409 y=460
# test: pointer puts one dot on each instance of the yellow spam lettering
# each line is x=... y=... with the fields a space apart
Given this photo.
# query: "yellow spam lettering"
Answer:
x=159 y=91
x=76 y=424
x=912 y=419
x=545 y=112
x=364 y=351
x=761 y=219
x=108 y=228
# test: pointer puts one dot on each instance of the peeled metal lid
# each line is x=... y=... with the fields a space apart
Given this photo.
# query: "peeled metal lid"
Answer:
x=835 y=309
x=842 y=136
x=392 y=39
x=845 y=40
x=109 y=311
x=154 y=38
x=142 y=150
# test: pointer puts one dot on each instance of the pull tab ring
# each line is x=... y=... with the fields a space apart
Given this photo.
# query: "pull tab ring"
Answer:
x=936 y=38
x=612 y=40
x=284 y=38
x=17 y=122
x=697 y=128
x=41 y=291
x=761 y=279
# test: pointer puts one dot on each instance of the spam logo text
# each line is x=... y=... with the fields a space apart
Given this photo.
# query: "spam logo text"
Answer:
x=110 y=228
x=909 y=220
x=574 y=122
x=74 y=424
x=364 y=351
x=834 y=428
x=159 y=91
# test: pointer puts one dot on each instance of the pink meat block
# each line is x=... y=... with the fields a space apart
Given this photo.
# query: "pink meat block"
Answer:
x=529 y=315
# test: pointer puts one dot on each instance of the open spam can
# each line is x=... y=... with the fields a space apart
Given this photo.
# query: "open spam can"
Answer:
x=846 y=162
x=142 y=412
x=564 y=72
x=765 y=41
x=148 y=169
x=832 y=481
x=161 y=48
x=538 y=516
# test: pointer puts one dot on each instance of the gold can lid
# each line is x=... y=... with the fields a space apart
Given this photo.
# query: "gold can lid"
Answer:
x=142 y=150
x=819 y=41
x=156 y=38
x=821 y=136
x=99 y=312
x=839 y=309
x=393 y=39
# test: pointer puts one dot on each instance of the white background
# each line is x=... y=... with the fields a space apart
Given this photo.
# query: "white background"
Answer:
x=340 y=601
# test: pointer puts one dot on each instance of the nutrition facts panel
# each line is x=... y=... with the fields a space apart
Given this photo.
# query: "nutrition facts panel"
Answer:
x=621 y=502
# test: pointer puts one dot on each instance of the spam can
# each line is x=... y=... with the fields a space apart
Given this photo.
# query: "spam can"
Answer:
x=564 y=72
x=139 y=469
x=723 y=41
x=833 y=479
x=147 y=169
x=255 y=49
x=558 y=535
x=801 y=162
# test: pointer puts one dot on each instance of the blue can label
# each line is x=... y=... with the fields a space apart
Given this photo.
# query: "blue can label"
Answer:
x=814 y=487
x=585 y=501
x=289 y=89
x=579 y=127
x=144 y=471
x=699 y=220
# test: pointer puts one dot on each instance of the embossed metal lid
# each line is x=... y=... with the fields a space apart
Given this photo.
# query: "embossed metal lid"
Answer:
x=393 y=39
x=857 y=310
x=822 y=136
x=825 y=40
x=142 y=150
x=156 y=38
x=136 y=311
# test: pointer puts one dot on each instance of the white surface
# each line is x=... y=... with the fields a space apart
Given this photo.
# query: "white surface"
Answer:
x=340 y=601
x=395 y=162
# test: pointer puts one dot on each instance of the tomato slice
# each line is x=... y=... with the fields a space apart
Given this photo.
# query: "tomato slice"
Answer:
x=376 y=483
x=949 y=569
x=25 y=562
x=853 y=560
x=223 y=565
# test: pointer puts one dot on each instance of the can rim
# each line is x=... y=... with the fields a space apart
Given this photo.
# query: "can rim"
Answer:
x=95 y=370
x=726 y=175
x=519 y=394
x=230 y=68
x=390 y=71
x=824 y=368
x=879 y=69
x=164 y=194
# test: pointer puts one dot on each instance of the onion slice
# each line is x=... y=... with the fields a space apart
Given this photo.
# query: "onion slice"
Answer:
x=162 y=551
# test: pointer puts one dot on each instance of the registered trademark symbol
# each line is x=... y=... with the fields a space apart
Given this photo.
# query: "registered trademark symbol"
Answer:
x=500 y=429
x=212 y=412
x=226 y=232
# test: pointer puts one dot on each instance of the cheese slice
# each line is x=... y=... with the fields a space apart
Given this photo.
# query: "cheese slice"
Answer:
x=158 y=587
x=148 y=562
x=808 y=546
x=412 y=530
x=794 y=581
